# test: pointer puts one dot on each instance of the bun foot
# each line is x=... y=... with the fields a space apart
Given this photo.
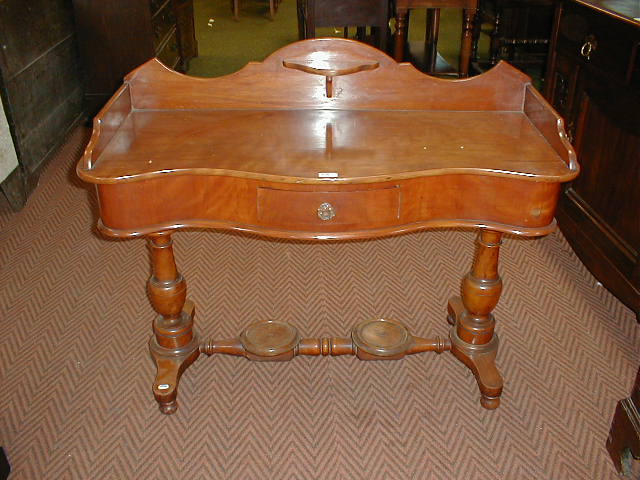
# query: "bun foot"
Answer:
x=168 y=408
x=490 y=403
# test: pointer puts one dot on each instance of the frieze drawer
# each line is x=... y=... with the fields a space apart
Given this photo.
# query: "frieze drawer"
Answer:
x=308 y=210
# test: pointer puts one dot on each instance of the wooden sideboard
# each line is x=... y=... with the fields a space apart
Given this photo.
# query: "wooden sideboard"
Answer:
x=40 y=86
x=593 y=81
x=117 y=36
x=327 y=139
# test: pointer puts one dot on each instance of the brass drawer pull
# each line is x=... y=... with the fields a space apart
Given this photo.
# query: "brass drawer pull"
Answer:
x=588 y=47
x=326 y=211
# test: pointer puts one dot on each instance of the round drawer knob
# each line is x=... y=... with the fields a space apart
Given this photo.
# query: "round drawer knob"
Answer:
x=326 y=211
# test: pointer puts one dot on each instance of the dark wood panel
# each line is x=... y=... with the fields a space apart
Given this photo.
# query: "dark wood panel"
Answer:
x=117 y=36
x=593 y=84
x=611 y=168
x=30 y=29
x=45 y=137
x=41 y=88
x=40 y=83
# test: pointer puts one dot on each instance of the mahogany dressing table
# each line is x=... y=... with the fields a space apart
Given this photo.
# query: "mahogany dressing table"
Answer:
x=327 y=139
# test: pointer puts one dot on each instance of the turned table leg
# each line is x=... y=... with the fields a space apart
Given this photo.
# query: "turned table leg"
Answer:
x=472 y=338
x=174 y=346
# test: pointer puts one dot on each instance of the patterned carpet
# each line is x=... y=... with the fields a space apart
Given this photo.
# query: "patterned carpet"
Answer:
x=76 y=378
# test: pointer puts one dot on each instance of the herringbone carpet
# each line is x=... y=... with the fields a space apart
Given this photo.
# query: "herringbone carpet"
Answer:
x=76 y=400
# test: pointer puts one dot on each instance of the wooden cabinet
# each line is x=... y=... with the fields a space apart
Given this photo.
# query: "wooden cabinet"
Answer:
x=623 y=442
x=117 y=36
x=594 y=82
x=40 y=86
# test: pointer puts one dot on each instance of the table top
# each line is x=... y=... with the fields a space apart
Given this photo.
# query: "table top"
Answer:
x=327 y=139
x=384 y=121
x=306 y=146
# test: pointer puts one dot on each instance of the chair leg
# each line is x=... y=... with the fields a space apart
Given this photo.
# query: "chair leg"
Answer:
x=466 y=42
x=431 y=39
x=402 y=24
x=302 y=12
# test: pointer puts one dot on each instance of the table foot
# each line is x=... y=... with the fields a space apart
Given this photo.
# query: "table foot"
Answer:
x=170 y=367
x=171 y=363
x=481 y=361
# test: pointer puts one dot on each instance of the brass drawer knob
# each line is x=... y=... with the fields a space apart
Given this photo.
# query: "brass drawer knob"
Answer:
x=326 y=211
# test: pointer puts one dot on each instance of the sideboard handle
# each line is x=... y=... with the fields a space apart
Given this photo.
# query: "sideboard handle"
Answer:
x=588 y=47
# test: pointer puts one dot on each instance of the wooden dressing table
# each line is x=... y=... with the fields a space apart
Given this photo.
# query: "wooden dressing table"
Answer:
x=327 y=139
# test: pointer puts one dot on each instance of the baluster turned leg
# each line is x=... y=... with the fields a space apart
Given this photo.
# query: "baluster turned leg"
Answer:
x=174 y=345
x=472 y=337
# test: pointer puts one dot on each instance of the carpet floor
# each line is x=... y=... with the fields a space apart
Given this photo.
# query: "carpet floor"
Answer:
x=76 y=377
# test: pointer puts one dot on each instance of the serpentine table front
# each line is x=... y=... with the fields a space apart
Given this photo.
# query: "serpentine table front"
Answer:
x=327 y=139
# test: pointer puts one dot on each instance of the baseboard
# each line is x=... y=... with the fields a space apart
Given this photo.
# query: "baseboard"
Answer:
x=14 y=190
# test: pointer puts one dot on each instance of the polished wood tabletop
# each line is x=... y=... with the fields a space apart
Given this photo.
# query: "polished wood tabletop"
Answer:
x=300 y=145
x=327 y=139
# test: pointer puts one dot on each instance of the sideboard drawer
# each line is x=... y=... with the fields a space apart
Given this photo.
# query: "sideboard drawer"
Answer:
x=595 y=39
x=304 y=210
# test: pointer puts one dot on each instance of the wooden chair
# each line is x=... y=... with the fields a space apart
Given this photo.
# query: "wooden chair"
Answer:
x=520 y=31
x=273 y=8
x=341 y=13
x=425 y=56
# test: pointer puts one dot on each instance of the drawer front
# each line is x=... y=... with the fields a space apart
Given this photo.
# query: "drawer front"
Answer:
x=163 y=21
x=600 y=41
x=330 y=211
